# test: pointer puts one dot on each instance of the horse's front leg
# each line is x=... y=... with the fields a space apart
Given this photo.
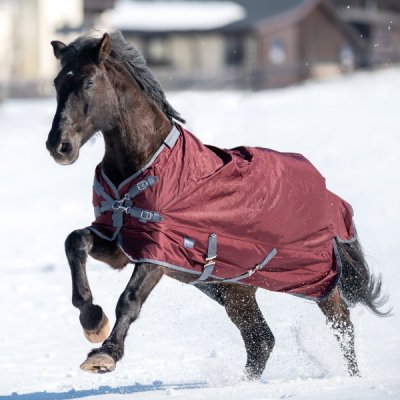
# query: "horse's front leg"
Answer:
x=78 y=246
x=144 y=278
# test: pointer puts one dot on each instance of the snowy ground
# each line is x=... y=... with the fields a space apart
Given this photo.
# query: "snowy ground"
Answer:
x=183 y=346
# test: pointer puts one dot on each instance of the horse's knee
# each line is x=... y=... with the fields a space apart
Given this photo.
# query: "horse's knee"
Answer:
x=77 y=242
x=76 y=246
x=260 y=339
x=269 y=339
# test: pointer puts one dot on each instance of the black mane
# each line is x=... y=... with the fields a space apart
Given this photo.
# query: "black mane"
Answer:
x=134 y=62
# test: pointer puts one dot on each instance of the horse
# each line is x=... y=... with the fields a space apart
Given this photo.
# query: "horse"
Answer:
x=105 y=86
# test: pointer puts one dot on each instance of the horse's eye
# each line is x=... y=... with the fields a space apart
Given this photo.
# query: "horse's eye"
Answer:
x=88 y=83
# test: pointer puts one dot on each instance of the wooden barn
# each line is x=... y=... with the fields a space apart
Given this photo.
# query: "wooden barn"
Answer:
x=205 y=44
x=254 y=44
x=378 y=24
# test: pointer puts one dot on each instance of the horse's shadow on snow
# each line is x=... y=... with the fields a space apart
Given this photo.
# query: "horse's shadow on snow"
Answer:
x=102 y=390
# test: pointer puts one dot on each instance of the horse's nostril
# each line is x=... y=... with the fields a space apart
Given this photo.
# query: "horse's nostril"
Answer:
x=65 y=148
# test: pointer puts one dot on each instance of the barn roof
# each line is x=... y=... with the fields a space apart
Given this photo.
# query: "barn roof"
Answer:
x=258 y=10
x=205 y=15
x=229 y=16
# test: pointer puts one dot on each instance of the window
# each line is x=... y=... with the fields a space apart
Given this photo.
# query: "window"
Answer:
x=347 y=57
x=156 y=51
x=277 y=52
x=234 y=50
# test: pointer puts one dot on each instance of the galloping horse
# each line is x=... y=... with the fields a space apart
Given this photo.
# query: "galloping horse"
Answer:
x=104 y=85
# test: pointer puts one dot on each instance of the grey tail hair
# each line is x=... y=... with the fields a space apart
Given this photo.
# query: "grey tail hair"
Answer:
x=357 y=284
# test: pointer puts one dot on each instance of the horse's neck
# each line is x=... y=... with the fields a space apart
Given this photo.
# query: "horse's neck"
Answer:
x=140 y=129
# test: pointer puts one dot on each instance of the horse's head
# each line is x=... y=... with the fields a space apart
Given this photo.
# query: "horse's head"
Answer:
x=104 y=85
x=86 y=100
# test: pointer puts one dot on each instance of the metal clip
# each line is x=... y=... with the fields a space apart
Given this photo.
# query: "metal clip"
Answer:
x=119 y=205
x=142 y=185
x=146 y=215
x=210 y=261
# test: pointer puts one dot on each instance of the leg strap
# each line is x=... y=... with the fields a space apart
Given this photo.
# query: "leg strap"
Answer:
x=210 y=259
x=238 y=278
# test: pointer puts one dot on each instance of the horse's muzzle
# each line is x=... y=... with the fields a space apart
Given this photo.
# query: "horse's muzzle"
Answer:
x=63 y=152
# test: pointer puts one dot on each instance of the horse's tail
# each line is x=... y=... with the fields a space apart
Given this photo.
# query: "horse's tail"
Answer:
x=357 y=283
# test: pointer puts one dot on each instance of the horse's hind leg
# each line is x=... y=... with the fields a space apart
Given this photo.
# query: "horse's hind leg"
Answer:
x=242 y=308
x=78 y=246
x=338 y=318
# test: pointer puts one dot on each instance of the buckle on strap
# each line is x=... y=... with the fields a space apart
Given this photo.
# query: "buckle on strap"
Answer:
x=125 y=205
x=210 y=259
x=212 y=247
x=142 y=185
x=145 y=215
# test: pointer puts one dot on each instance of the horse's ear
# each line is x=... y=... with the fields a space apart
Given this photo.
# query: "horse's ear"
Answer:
x=103 y=49
x=58 y=48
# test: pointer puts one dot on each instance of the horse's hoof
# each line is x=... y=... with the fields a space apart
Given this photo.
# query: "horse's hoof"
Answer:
x=100 y=363
x=101 y=334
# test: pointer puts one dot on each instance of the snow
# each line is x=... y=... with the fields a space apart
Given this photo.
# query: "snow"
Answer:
x=163 y=16
x=183 y=346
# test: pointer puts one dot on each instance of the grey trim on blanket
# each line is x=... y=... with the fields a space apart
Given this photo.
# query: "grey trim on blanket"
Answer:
x=98 y=233
x=339 y=266
x=98 y=188
x=355 y=236
x=172 y=266
x=335 y=240
x=221 y=280
x=338 y=259
x=169 y=142
x=163 y=264
x=353 y=239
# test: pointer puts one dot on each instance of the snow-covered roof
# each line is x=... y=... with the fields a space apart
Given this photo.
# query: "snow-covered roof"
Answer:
x=162 y=16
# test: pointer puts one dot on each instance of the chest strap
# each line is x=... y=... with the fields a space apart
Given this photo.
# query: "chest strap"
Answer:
x=125 y=205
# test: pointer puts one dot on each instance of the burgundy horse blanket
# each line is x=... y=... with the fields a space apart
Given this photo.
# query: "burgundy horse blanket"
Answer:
x=248 y=215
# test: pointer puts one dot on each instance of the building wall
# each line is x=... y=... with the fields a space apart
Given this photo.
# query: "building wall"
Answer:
x=28 y=26
x=378 y=23
x=384 y=43
x=278 y=46
x=324 y=45
x=290 y=51
x=182 y=49
x=210 y=52
x=52 y=15
x=187 y=60
x=6 y=48
x=321 y=42
x=278 y=61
